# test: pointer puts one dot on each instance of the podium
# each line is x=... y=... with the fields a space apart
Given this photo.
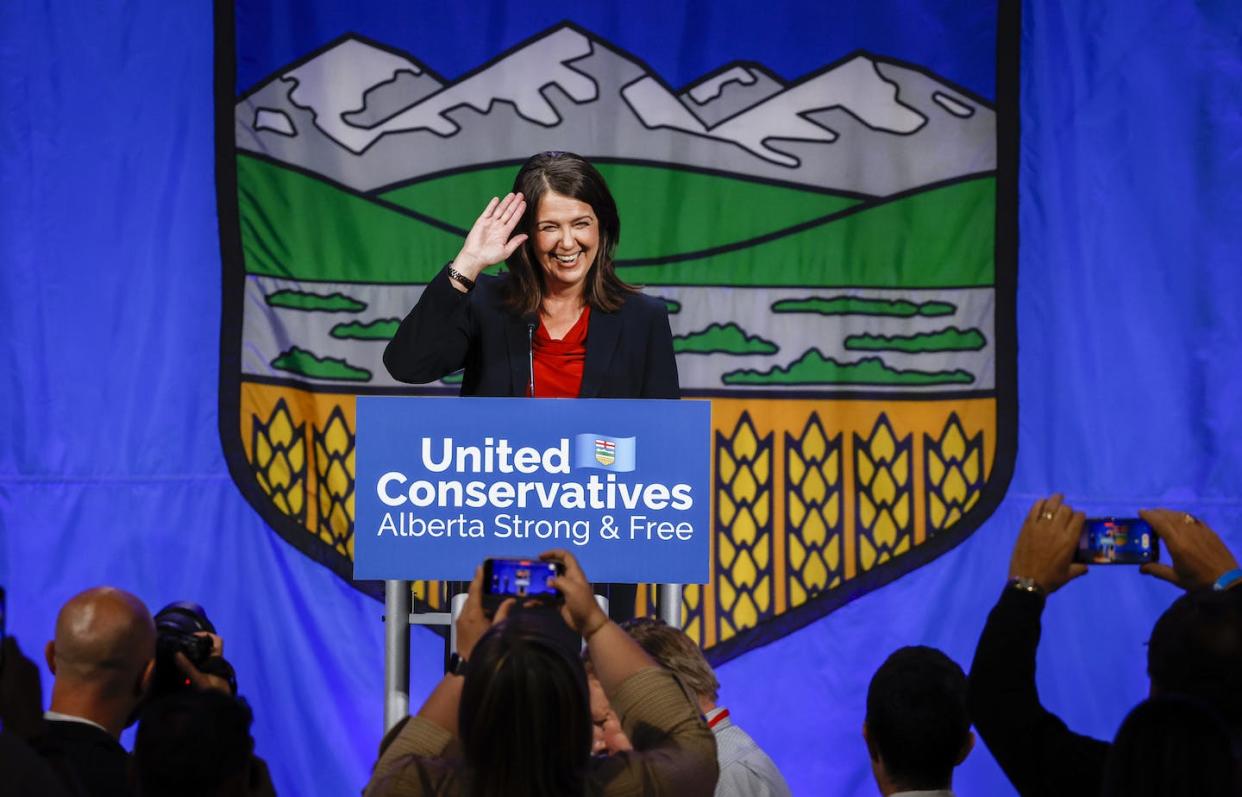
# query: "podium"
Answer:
x=442 y=484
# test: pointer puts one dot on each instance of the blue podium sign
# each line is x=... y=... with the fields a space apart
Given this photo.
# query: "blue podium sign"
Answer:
x=444 y=483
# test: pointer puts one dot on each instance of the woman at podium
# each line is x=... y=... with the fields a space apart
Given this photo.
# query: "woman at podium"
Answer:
x=559 y=323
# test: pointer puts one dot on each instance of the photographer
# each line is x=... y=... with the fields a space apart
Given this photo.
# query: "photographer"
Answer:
x=110 y=658
x=521 y=711
x=189 y=653
x=1195 y=647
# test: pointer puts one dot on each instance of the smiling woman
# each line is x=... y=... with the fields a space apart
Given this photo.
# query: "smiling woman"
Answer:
x=559 y=323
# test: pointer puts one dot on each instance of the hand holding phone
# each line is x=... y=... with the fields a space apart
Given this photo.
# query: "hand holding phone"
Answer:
x=1117 y=541
x=1197 y=554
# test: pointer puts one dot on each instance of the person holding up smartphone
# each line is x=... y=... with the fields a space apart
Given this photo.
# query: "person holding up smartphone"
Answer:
x=1195 y=647
x=513 y=714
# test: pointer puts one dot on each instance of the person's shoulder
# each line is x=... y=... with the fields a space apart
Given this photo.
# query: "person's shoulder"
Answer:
x=70 y=732
x=639 y=304
x=747 y=769
x=736 y=745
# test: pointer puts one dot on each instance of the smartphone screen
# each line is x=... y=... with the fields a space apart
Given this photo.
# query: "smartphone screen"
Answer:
x=520 y=578
x=1117 y=541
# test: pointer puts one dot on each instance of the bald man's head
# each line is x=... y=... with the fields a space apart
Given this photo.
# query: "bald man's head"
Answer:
x=105 y=640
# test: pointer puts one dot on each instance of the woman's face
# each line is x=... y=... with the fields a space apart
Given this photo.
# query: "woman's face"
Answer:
x=566 y=241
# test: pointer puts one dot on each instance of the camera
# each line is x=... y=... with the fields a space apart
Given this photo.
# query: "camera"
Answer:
x=178 y=629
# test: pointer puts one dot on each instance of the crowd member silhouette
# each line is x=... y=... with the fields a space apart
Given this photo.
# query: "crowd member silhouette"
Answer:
x=1171 y=746
x=1195 y=648
x=518 y=722
x=745 y=769
x=917 y=728
x=103 y=660
x=198 y=744
x=24 y=772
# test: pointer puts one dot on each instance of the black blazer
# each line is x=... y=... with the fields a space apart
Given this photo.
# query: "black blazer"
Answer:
x=629 y=353
x=97 y=761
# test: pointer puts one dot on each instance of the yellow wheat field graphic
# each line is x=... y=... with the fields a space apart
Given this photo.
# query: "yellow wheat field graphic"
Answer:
x=808 y=496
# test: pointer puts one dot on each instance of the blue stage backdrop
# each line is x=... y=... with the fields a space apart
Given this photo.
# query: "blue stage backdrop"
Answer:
x=112 y=465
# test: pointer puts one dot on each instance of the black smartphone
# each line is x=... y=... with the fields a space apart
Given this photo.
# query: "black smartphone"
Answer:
x=1117 y=541
x=524 y=579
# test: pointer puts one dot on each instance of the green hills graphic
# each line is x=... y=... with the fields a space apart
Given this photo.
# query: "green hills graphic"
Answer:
x=727 y=230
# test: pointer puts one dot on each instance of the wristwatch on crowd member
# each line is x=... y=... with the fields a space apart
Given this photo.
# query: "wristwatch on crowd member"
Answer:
x=1024 y=584
x=457 y=664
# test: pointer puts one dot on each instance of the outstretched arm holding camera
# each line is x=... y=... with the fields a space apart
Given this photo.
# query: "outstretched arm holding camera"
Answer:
x=614 y=654
x=675 y=750
x=673 y=747
x=1038 y=752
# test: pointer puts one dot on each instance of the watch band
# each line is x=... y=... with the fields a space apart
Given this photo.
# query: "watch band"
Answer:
x=1023 y=584
x=1229 y=580
x=456 y=664
x=460 y=278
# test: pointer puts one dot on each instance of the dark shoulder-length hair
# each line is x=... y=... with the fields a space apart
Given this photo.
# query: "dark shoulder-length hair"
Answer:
x=569 y=175
x=525 y=714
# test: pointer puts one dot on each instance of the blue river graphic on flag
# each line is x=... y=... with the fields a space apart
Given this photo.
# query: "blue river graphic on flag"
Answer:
x=603 y=452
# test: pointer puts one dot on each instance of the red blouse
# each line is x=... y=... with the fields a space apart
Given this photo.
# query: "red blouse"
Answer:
x=558 y=363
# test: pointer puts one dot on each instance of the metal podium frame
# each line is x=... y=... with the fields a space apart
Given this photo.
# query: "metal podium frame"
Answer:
x=397 y=621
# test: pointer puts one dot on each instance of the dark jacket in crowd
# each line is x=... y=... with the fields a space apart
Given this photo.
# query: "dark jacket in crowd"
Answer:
x=1041 y=756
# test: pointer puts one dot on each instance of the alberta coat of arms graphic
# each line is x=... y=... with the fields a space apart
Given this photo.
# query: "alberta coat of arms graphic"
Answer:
x=837 y=253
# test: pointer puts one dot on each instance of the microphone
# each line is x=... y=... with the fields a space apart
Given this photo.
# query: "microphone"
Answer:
x=532 y=321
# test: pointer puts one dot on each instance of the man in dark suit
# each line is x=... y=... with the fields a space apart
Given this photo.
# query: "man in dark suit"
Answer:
x=103 y=660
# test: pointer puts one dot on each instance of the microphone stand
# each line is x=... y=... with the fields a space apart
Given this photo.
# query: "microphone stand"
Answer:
x=530 y=355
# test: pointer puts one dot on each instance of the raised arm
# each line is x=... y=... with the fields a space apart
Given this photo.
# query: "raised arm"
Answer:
x=430 y=732
x=674 y=750
x=432 y=341
x=1038 y=752
x=614 y=655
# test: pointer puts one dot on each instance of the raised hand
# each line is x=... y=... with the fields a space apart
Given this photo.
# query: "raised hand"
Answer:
x=1045 y=548
x=488 y=241
x=1199 y=557
x=473 y=622
x=580 y=610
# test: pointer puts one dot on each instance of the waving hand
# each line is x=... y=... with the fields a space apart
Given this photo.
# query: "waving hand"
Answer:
x=488 y=241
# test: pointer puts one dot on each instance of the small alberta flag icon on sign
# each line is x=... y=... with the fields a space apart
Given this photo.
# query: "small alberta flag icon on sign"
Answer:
x=600 y=451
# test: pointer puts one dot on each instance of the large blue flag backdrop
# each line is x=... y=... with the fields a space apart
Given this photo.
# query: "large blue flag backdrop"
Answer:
x=111 y=469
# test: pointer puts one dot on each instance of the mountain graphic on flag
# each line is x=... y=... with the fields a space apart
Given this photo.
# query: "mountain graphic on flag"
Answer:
x=607 y=453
